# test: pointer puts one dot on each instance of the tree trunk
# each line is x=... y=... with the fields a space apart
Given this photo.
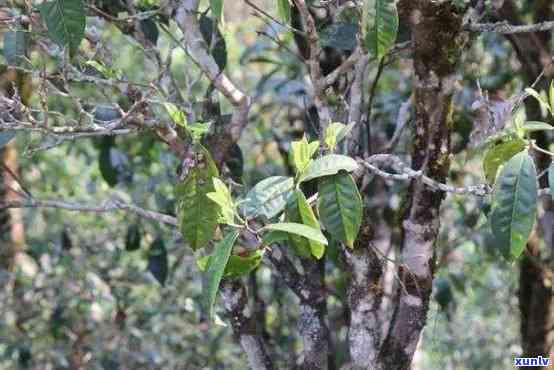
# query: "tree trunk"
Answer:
x=438 y=43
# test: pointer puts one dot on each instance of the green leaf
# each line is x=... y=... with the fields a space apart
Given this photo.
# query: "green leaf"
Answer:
x=237 y=266
x=379 y=26
x=328 y=165
x=198 y=130
x=299 y=229
x=339 y=205
x=551 y=179
x=66 y=22
x=298 y=210
x=336 y=132
x=107 y=169
x=177 y=116
x=15 y=47
x=275 y=237
x=283 y=8
x=197 y=214
x=132 y=239
x=222 y=197
x=217 y=9
x=515 y=203
x=531 y=126
x=302 y=153
x=157 y=261
x=498 y=154
x=535 y=94
x=216 y=268
x=268 y=198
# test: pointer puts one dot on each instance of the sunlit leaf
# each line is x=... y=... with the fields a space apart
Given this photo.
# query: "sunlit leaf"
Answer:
x=222 y=197
x=328 y=165
x=300 y=230
x=302 y=153
x=176 y=115
x=299 y=211
x=498 y=154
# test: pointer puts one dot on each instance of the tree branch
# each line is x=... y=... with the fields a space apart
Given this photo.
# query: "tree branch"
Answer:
x=104 y=207
x=506 y=28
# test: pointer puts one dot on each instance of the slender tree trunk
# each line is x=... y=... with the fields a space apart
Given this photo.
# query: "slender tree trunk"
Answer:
x=438 y=43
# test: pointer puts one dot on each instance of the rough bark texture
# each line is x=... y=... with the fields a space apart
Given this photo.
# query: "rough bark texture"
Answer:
x=235 y=301
x=438 y=44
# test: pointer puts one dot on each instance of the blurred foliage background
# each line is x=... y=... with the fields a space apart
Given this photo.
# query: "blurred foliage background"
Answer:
x=85 y=297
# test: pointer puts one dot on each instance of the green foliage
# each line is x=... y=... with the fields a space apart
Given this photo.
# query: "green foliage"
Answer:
x=340 y=207
x=216 y=269
x=515 y=204
x=498 y=154
x=222 y=197
x=217 y=9
x=299 y=211
x=157 y=260
x=542 y=101
x=268 y=198
x=379 y=26
x=305 y=231
x=302 y=153
x=328 y=165
x=66 y=21
x=197 y=214
x=283 y=8
x=335 y=133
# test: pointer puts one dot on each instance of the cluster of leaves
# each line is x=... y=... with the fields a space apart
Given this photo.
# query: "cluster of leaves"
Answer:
x=205 y=202
x=509 y=166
